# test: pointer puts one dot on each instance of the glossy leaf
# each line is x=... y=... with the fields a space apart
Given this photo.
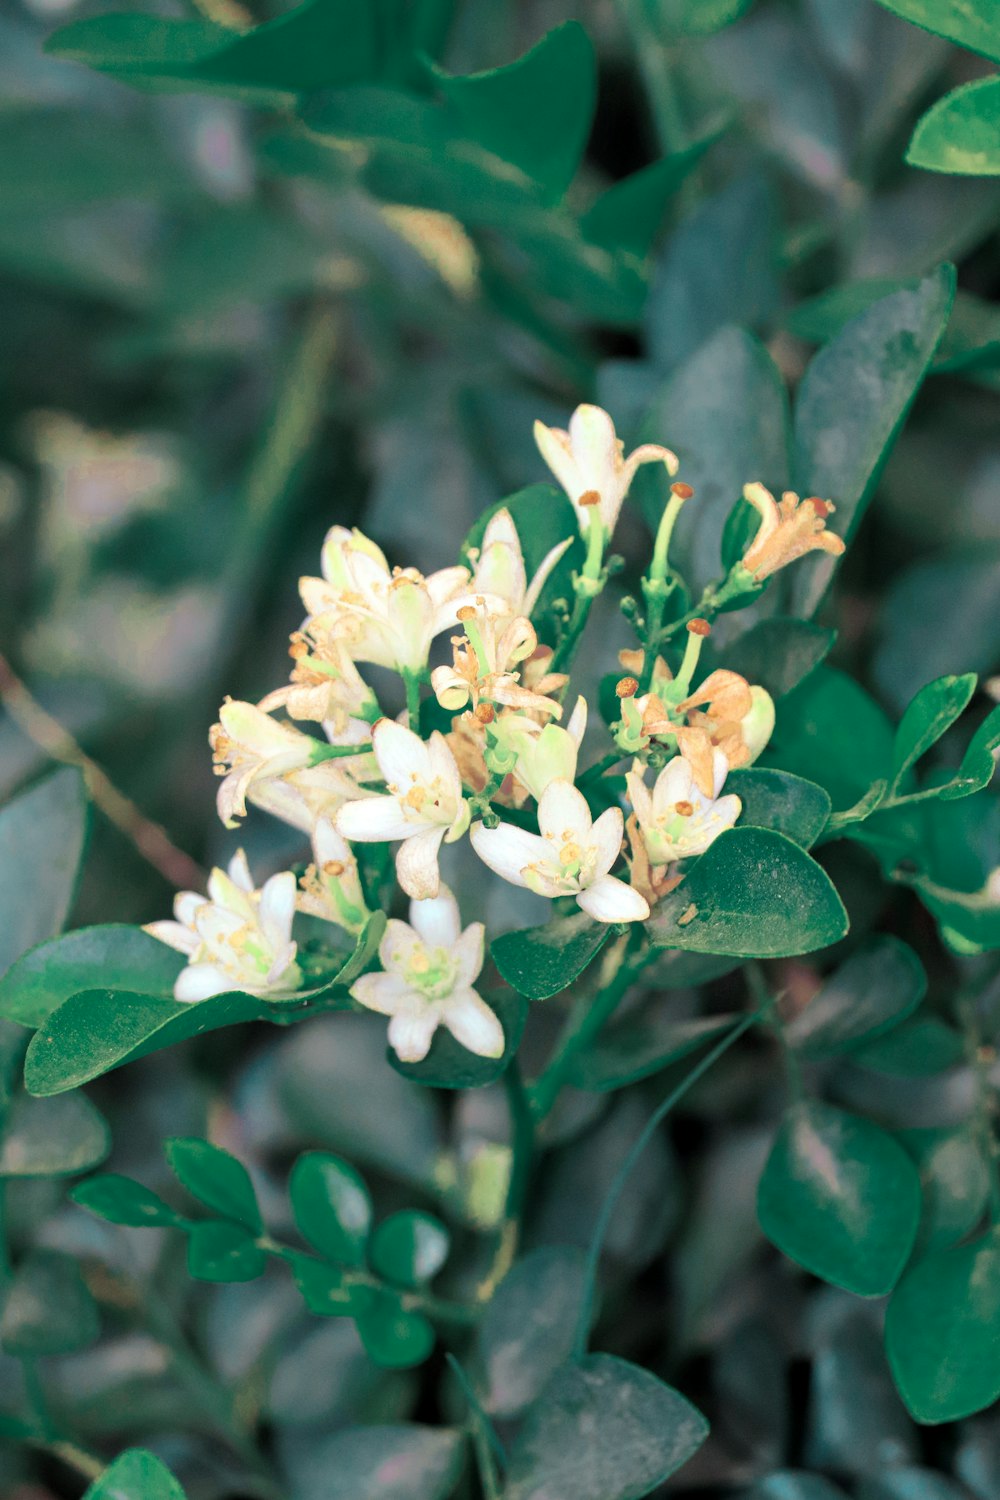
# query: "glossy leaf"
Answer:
x=628 y=215
x=851 y=404
x=120 y=957
x=917 y=1049
x=931 y=713
x=48 y=1309
x=216 y=1179
x=52 y=1137
x=754 y=893
x=775 y=799
x=221 y=1251
x=409 y=1248
x=961 y=132
x=637 y=1048
x=325 y=1289
x=393 y=1338
x=979 y=762
x=942 y=1328
x=135 y=1475
x=42 y=830
x=122 y=1201
x=603 y=1429
x=970 y=23
x=528 y=1328
x=840 y=1197
x=878 y=986
x=449 y=1065
x=541 y=961
x=332 y=1207
x=829 y=730
x=779 y=653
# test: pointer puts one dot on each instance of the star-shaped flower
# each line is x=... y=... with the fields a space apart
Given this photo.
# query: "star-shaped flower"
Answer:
x=590 y=459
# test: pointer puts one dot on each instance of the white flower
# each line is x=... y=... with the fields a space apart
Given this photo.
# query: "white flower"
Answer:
x=281 y=769
x=331 y=885
x=424 y=805
x=485 y=662
x=676 y=819
x=589 y=459
x=238 y=938
x=500 y=569
x=326 y=687
x=570 y=857
x=383 y=615
x=543 y=754
x=429 y=966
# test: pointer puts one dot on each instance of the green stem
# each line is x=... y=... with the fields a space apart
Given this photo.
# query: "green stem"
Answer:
x=632 y=1156
x=522 y=1136
x=412 y=684
x=654 y=65
x=982 y=1060
x=485 y=1443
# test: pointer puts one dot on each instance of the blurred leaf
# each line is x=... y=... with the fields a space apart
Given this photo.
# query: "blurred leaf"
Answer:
x=240 y=255
x=777 y=800
x=851 y=404
x=840 y=1197
x=220 y=1251
x=122 y=1201
x=753 y=893
x=393 y=1338
x=52 y=1137
x=831 y=731
x=536 y=112
x=602 y=1429
x=628 y=215
x=910 y=1484
x=449 y=1065
x=970 y=23
x=855 y=1415
x=42 y=830
x=541 y=961
x=918 y=1048
x=941 y=1331
x=56 y=159
x=404 y=1462
x=216 y=1179
x=878 y=986
x=702 y=17
x=938 y=615
x=409 y=1247
x=930 y=714
x=638 y=1047
x=779 y=653
x=123 y=957
x=48 y=1309
x=955 y=1181
x=135 y=1475
x=789 y=1485
x=332 y=1207
x=528 y=1327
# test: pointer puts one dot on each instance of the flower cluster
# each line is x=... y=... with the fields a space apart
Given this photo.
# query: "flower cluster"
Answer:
x=484 y=747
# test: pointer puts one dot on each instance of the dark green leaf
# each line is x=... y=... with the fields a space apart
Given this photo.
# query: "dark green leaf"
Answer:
x=52 y=1137
x=955 y=1181
x=851 y=404
x=393 y=1338
x=48 y=1308
x=918 y=1049
x=42 y=830
x=979 y=761
x=449 y=1065
x=56 y=159
x=216 y=1179
x=877 y=987
x=940 y=613
x=122 y=1201
x=961 y=132
x=942 y=1328
x=220 y=1251
x=541 y=961
x=135 y=44
x=970 y=23
x=123 y=958
x=776 y=799
x=628 y=215
x=98 y=1030
x=135 y=1475
x=638 y=1048
x=325 y=1289
x=409 y=1247
x=332 y=1207
x=752 y=893
x=778 y=653
x=928 y=716
x=535 y=112
x=603 y=1430
x=829 y=730
x=528 y=1327
x=840 y=1197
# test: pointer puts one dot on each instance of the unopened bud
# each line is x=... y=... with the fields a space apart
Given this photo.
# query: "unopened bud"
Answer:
x=626 y=687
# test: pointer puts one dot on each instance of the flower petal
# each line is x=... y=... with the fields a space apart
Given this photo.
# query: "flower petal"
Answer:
x=411 y=1034
x=563 y=809
x=385 y=993
x=611 y=900
x=606 y=838
x=400 y=753
x=436 y=920
x=201 y=982
x=468 y=953
x=374 y=820
x=554 y=446
x=175 y=935
x=417 y=864
x=277 y=906
x=471 y=1022
x=508 y=850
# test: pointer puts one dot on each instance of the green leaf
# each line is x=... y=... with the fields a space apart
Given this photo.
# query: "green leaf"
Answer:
x=637 y=1048
x=789 y=1485
x=98 y=1030
x=778 y=653
x=939 y=612
x=603 y=1429
x=221 y=1251
x=852 y=402
x=881 y=984
x=703 y=17
x=541 y=961
x=955 y=1181
x=135 y=44
x=135 y=1475
x=52 y=1137
x=775 y=799
x=409 y=1248
x=42 y=830
x=393 y=1338
x=979 y=761
x=961 y=132
x=931 y=713
x=449 y=1065
x=325 y=1289
x=332 y=1207
x=970 y=23
x=755 y=894
x=216 y=1179
x=829 y=730
x=122 y=1201
x=918 y=1049
x=528 y=1328
x=942 y=1329
x=403 y=1462
x=536 y=112
x=48 y=1308
x=629 y=214
x=840 y=1197
x=123 y=958
x=58 y=159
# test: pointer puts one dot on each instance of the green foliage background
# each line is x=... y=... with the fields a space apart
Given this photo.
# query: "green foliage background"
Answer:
x=228 y=322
